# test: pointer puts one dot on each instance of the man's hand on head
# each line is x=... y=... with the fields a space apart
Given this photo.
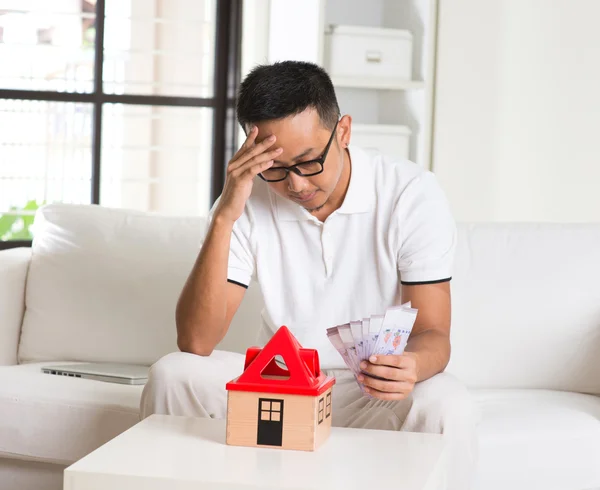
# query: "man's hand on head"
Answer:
x=389 y=377
x=250 y=160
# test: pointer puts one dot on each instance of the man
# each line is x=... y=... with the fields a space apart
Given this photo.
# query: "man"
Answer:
x=331 y=235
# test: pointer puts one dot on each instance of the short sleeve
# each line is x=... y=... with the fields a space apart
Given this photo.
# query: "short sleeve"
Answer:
x=241 y=265
x=426 y=232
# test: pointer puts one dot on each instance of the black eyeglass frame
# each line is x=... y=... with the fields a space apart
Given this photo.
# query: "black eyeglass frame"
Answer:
x=292 y=168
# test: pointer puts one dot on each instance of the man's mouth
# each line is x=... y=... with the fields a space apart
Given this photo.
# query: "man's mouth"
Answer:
x=303 y=197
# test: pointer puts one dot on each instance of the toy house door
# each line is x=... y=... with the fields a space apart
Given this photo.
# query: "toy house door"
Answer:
x=270 y=422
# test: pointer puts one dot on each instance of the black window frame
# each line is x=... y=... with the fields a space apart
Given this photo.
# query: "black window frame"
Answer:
x=228 y=43
x=321 y=410
x=270 y=410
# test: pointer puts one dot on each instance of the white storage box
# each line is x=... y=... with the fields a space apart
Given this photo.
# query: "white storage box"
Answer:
x=390 y=140
x=362 y=53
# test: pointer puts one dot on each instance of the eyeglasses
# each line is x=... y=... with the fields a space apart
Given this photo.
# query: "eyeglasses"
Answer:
x=304 y=169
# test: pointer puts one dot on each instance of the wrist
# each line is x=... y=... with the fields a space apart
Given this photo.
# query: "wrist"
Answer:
x=418 y=366
x=417 y=359
x=417 y=362
x=221 y=220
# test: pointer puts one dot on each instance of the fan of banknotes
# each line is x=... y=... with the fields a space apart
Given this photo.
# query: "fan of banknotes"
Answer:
x=385 y=334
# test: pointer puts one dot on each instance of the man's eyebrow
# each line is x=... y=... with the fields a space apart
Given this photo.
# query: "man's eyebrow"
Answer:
x=298 y=157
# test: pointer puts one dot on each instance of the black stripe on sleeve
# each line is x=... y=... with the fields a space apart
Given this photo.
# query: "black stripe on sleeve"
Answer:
x=437 y=281
x=238 y=283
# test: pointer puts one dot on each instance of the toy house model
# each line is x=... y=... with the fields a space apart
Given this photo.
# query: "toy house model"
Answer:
x=269 y=406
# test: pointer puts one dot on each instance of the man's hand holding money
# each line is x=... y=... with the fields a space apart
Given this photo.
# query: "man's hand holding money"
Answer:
x=389 y=377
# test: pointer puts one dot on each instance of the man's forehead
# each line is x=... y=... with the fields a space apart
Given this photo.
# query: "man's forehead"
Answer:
x=292 y=134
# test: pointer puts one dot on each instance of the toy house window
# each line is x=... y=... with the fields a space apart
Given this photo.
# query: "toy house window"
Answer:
x=328 y=406
x=270 y=410
x=321 y=409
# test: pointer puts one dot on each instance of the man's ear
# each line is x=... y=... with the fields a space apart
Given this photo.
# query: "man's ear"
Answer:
x=344 y=130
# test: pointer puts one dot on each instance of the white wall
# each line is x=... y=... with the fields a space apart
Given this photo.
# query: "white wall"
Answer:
x=277 y=30
x=517 y=118
x=269 y=36
x=255 y=34
x=295 y=30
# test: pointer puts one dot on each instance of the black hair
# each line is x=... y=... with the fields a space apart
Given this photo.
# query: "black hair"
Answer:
x=286 y=88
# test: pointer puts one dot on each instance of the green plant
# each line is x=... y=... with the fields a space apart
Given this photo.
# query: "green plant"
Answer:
x=15 y=226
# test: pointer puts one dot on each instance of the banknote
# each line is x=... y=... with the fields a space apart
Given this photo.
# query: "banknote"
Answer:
x=379 y=334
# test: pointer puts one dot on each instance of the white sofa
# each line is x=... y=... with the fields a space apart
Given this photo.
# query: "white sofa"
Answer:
x=101 y=285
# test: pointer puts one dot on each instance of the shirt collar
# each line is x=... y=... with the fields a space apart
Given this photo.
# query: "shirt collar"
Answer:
x=360 y=197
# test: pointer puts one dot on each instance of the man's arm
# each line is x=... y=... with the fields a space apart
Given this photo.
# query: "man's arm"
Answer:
x=427 y=352
x=430 y=337
x=208 y=301
x=426 y=239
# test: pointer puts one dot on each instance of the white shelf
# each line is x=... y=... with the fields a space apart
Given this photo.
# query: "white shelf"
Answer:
x=376 y=83
x=382 y=92
x=389 y=139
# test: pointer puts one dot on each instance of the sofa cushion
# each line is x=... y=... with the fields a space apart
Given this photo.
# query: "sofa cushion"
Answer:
x=103 y=284
x=14 y=265
x=538 y=439
x=526 y=307
x=60 y=419
x=30 y=475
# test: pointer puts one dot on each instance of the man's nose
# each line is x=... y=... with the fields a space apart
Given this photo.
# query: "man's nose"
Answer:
x=296 y=183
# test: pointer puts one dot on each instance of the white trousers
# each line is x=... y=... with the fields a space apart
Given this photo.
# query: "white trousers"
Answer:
x=190 y=385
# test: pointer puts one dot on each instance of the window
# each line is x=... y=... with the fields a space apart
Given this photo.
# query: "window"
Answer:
x=328 y=405
x=270 y=410
x=321 y=410
x=122 y=103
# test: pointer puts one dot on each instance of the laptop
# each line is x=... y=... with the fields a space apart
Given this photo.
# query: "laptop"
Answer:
x=129 y=374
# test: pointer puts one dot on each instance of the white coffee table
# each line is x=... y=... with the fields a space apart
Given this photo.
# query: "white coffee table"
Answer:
x=183 y=453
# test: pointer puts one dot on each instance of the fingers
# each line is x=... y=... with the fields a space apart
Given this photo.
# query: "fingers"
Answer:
x=384 y=372
x=250 y=139
x=386 y=390
x=382 y=395
x=405 y=361
x=393 y=368
x=254 y=165
x=252 y=151
x=254 y=170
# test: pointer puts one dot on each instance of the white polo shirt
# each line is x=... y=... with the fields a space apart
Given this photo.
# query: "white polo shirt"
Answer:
x=393 y=227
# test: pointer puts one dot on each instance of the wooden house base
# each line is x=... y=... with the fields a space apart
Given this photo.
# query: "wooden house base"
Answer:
x=300 y=422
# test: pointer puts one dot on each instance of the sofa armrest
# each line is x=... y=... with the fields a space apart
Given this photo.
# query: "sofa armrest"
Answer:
x=14 y=264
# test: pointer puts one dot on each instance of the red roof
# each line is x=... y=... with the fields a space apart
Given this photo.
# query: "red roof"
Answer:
x=263 y=374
